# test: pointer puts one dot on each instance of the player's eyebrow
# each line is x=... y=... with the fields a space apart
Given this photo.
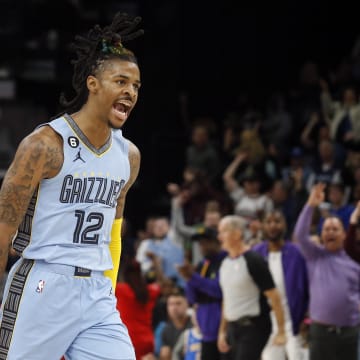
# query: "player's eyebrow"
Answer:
x=126 y=77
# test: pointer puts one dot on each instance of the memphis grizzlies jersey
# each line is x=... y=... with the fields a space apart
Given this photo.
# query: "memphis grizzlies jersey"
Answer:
x=70 y=216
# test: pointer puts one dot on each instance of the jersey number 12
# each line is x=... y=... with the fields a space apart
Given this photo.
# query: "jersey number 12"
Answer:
x=87 y=226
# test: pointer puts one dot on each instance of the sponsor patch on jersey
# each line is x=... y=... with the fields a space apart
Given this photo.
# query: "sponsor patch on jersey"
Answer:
x=40 y=286
x=73 y=141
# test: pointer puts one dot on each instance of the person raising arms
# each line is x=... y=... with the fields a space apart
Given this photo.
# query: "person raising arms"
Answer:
x=333 y=284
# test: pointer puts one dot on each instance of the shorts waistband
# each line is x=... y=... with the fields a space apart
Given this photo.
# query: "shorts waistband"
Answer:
x=69 y=270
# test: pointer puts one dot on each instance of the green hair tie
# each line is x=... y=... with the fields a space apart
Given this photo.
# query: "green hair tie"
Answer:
x=116 y=49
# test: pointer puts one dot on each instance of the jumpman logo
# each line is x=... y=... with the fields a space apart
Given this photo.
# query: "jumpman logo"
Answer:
x=78 y=156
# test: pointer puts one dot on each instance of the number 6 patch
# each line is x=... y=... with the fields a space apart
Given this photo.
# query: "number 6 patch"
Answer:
x=73 y=141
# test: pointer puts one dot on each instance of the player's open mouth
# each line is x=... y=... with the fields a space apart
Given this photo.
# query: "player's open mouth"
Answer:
x=121 y=110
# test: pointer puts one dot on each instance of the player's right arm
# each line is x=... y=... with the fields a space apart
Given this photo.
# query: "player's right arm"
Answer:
x=38 y=156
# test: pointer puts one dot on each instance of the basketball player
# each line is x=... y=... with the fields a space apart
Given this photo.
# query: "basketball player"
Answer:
x=64 y=196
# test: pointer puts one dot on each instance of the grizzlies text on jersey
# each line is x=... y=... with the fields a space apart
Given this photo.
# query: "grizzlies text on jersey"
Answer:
x=76 y=208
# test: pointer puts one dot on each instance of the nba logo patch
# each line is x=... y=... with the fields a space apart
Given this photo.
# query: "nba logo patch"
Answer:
x=40 y=286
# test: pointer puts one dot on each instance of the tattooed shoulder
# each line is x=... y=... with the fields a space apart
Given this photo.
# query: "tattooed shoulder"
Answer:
x=54 y=152
x=38 y=156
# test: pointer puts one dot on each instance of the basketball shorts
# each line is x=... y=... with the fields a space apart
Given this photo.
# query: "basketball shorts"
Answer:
x=51 y=310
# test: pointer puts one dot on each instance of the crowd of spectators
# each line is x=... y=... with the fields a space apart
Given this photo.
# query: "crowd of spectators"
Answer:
x=265 y=165
x=290 y=171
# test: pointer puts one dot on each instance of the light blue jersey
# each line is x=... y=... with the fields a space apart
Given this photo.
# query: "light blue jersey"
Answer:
x=70 y=216
x=57 y=300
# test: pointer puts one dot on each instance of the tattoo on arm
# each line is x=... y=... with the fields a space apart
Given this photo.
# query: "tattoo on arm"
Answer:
x=12 y=200
x=37 y=157
x=3 y=260
x=134 y=159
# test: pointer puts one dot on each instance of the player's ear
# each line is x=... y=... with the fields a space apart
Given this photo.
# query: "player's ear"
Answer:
x=92 y=84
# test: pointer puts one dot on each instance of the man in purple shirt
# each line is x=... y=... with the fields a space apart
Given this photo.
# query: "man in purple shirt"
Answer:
x=289 y=271
x=334 y=285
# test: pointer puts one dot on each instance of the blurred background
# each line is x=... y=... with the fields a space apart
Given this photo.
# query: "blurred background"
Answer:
x=220 y=63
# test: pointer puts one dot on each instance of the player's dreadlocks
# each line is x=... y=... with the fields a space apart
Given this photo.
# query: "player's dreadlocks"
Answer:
x=92 y=50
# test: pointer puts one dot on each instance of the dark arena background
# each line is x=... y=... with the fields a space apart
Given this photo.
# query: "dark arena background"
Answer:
x=199 y=60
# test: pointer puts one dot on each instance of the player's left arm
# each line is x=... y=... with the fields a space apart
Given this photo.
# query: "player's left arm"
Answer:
x=115 y=241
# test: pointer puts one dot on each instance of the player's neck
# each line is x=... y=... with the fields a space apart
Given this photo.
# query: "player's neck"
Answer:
x=96 y=131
